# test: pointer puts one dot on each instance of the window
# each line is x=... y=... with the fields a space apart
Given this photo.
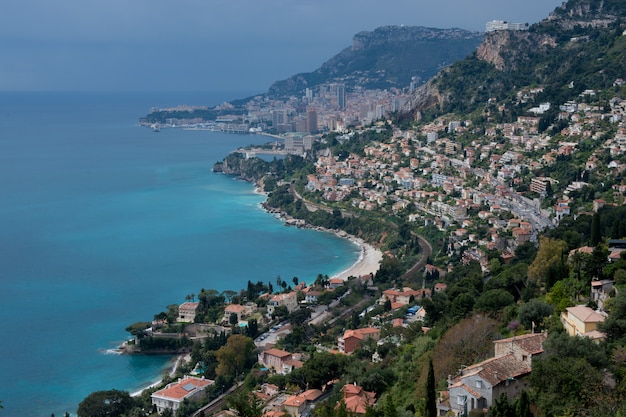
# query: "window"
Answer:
x=460 y=399
x=479 y=383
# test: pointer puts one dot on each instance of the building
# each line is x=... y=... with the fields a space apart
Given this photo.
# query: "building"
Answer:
x=524 y=347
x=289 y=300
x=477 y=386
x=352 y=339
x=504 y=25
x=399 y=298
x=357 y=400
x=280 y=361
x=296 y=405
x=582 y=321
x=187 y=312
x=189 y=388
x=311 y=121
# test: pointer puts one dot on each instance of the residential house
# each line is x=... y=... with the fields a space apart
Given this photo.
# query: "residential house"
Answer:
x=274 y=358
x=352 y=339
x=524 y=347
x=312 y=296
x=187 y=312
x=357 y=400
x=477 y=386
x=289 y=300
x=601 y=291
x=582 y=321
x=335 y=283
x=296 y=405
x=282 y=362
x=169 y=398
x=236 y=309
x=399 y=298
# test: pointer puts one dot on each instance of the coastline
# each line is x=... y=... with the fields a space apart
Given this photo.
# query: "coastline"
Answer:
x=368 y=261
x=171 y=373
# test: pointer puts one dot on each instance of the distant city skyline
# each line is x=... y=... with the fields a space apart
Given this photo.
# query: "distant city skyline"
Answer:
x=199 y=45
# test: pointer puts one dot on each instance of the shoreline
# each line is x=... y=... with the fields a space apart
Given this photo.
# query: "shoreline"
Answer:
x=171 y=373
x=369 y=258
x=368 y=262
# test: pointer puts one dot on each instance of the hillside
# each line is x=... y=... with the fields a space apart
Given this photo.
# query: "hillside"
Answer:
x=387 y=57
x=579 y=46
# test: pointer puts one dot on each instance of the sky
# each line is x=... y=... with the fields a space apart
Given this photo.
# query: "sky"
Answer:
x=207 y=45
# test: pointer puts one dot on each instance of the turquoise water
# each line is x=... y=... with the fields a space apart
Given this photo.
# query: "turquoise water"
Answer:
x=104 y=223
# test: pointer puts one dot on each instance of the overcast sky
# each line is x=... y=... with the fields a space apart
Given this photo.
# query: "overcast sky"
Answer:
x=207 y=45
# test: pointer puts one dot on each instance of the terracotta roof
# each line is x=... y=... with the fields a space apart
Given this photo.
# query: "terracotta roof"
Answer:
x=585 y=314
x=312 y=394
x=294 y=401
x=496 y=370
x=183 y=388
x=234 y=308
x=531 y=343
x=360 y=333
x=277 y=352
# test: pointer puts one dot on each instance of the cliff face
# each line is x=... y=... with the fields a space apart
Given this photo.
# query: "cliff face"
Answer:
x=507 y=50
x=573 y=42
x=246 y=169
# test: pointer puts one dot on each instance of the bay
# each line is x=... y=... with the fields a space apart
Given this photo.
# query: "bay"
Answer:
x=104 y=223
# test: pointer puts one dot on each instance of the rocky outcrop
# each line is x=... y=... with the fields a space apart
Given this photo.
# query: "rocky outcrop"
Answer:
x=424 y=97
x=507 y=49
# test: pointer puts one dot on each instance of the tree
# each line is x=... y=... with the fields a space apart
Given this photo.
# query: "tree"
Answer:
x=246 y=405
x=112 y=403
x=596 y=234
x=501 y=407
x=233 y=319
x=522 y=406
x=295 y=281
x=534 y=312
x=549 y=258
x=235 y=356
x=493 y=301
x=323 y=367
x=430 y=409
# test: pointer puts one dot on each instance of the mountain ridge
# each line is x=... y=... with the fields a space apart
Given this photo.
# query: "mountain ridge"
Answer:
x=388 y=56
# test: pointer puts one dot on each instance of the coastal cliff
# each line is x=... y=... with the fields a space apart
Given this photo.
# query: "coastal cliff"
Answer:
x=236 y=164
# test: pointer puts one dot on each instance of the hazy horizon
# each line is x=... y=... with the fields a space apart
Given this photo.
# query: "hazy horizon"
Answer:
x=194 y=45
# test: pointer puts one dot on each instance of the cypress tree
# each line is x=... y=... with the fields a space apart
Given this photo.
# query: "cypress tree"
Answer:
x=431 y=395
x=596 y=235
x=523 y=406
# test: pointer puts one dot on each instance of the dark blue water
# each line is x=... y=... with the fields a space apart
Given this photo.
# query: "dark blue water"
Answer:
x=104 y=223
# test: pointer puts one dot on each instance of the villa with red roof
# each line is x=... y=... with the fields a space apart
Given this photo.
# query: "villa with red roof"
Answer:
x=352 y=339
x=169 y=398
x=295 y=405
x=399 y=298
x=282 y=362
x=357 y=400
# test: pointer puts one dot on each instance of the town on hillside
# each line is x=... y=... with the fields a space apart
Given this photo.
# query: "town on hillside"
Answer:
x=501 y=286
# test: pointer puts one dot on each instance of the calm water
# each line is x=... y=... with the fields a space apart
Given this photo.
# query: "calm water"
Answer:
x=104 y=223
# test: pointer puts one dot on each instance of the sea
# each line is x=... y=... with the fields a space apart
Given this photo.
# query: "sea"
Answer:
x=104 y=223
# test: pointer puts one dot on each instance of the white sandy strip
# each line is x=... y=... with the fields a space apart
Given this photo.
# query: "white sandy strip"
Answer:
x=368 y=262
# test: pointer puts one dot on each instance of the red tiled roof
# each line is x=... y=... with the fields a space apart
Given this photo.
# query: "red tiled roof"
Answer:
x=184 y=388
x=277 y=352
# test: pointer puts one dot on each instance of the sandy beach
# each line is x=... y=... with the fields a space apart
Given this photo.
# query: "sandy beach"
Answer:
x=368 y=262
